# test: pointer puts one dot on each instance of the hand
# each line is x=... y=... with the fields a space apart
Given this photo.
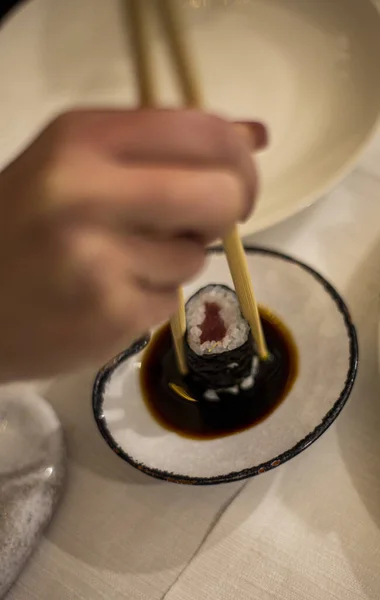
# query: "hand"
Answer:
x=103 y=216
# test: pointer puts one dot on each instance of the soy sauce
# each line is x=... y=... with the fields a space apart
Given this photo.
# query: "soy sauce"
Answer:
x=178 y=406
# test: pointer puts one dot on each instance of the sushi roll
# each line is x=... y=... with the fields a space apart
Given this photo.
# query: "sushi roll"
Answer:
x=226 y=387
x=221 y=354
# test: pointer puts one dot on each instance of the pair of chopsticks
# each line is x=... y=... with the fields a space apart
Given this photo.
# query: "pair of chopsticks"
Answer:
x=169 y=19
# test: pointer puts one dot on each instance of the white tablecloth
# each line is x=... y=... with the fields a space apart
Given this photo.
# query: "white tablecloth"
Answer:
x=309 y=530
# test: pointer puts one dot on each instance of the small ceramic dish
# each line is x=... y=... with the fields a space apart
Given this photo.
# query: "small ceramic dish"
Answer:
x=325 y=337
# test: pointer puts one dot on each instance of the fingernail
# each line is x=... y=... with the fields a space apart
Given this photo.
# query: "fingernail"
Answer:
x=258 y=133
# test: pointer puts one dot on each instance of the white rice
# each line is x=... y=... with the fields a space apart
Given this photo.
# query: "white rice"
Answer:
x=237 y=328
x=244 y=385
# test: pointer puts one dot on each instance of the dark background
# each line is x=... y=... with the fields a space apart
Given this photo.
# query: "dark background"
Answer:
x=6 y=5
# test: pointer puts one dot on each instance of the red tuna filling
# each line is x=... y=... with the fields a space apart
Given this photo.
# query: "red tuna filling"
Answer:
x=212 y=327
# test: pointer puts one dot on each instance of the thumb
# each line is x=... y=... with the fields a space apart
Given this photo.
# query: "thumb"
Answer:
x=254 y=133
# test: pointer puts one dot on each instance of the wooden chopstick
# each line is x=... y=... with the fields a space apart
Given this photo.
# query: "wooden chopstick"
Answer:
x=238 y=265
x=139 y=33
x=148 y=97
x=237 y=260
x=178 y=53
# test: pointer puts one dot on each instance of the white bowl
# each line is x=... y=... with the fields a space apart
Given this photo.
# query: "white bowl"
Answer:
x=309 y=69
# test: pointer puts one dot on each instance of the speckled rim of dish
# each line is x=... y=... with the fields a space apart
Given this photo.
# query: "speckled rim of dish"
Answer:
x=106 y=372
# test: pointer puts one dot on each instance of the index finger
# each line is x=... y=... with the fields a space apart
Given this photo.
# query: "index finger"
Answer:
x=170 y=137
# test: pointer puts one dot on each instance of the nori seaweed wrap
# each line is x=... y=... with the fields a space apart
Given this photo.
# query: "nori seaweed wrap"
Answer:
x=219 y=344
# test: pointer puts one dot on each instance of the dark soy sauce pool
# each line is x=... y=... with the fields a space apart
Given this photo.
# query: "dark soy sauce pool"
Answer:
x=188 y=414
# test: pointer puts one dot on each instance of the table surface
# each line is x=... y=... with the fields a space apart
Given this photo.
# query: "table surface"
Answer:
x=307 y=530
x=310 y=529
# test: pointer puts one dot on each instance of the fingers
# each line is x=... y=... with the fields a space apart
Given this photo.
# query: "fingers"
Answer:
x=104 y=263
x=174 y=136
x=104 y=299
x=170 y=201
x=163 y=264
x=169 y=137
x=169 y=172
x=127 y=302
x=167 y=201
x=254 y=133
x=137 y=310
